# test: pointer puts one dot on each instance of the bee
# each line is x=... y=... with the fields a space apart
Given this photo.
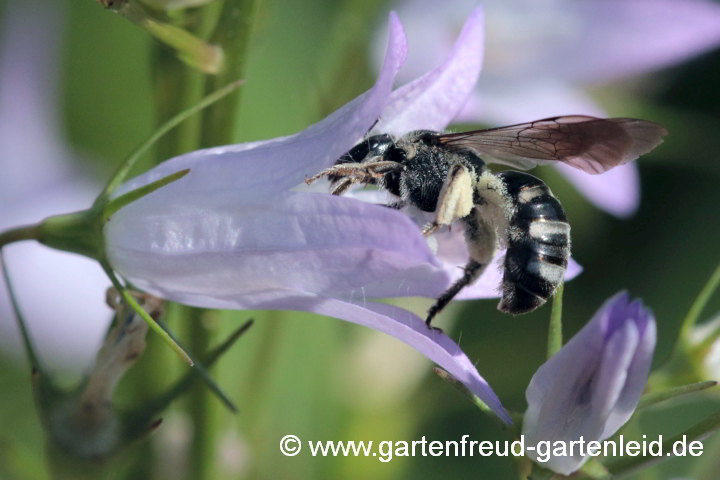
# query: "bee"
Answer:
x=447 y=174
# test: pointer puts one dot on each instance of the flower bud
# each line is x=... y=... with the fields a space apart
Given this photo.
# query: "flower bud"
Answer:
x=590 y=388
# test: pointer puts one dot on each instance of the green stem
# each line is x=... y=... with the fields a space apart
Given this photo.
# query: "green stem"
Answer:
x=232 y=33
x=198 y=405
x=29 y=232
x=555 y=339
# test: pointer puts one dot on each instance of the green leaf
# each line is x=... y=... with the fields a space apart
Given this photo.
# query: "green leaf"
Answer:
x=654 y=398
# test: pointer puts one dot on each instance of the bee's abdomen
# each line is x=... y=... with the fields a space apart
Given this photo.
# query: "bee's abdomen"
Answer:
x=538 y=244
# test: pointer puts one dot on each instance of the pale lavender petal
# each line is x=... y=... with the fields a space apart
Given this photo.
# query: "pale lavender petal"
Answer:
x=620 y=38
x=592 y=385
x=507 y=101
x=431 y=280
x=262 y=169
x=611 y=377
x=398 y=323
x=433 y=100
x=432 y=29
x=213 y=245
x=616 y=191
x=636 y=378
x=437 y=346
x=588 y=41
x=31 y=150
x=61 y=295
x=489 y=284
x=558 y=393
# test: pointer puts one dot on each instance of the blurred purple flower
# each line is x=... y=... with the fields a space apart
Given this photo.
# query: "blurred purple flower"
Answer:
x=230 y=234
x=591 y=387
x=62 y=295
x=541 y=55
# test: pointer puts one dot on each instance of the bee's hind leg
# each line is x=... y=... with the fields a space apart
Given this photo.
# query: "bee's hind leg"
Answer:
x=472 y=271
x=481 y=241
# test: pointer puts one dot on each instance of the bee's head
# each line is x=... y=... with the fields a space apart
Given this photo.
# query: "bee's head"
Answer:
x=374 y=146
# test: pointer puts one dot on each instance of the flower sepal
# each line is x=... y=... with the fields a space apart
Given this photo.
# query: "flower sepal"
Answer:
x=82 y=232
x=78 y=232
x=697 y=349
x=593 y=469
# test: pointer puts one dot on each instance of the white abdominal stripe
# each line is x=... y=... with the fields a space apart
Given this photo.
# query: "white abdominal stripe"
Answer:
x=538 y=249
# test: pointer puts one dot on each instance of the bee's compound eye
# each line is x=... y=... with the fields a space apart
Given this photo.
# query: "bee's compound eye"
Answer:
x=374 y=143
x=396 y=154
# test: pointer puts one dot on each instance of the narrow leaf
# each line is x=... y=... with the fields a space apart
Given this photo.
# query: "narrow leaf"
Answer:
x=208 y=361
x=154 y=326
x=190 y=49
x=624 y=466
x=29 y=350
x=700 y=302
x=204 y=375
x=133 y=195
x=122 y=172
x=654 y=398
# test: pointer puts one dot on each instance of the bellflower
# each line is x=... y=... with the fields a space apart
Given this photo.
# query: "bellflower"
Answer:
x=591 y=387
x=541 y=56
x=231 y=234
x=61 y=293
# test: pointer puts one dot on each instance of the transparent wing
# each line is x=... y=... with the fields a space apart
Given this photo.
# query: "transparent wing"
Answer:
x=591 y=144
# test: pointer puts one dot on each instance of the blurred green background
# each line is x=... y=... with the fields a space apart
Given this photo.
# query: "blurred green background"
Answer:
x=323 y=379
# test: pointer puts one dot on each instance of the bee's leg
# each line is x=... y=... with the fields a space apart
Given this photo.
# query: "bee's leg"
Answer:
x=340 y=186
x=398 y=205
x=472 y=271
x=455 y=200
x=481 y=240
x=358 y=172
